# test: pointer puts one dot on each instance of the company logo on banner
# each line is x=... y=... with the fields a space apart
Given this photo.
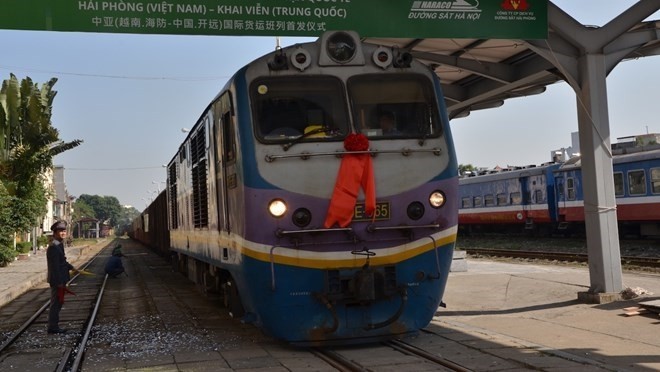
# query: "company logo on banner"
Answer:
x=520 y=5
x=459 y=9
x=510 y=10
x=513 y=19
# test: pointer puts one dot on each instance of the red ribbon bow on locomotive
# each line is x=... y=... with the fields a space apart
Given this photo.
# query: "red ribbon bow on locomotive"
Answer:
x=355 y=171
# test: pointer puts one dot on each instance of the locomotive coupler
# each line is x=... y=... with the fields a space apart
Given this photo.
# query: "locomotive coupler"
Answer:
x=364 y=284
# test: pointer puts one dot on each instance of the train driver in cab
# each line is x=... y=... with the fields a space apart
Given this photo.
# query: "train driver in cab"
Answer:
x=387 y=123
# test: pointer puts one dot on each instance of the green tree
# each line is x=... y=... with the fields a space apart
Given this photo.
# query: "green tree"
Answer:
x=106 y=208
x=126 y=219
x=82 y=210
x=29 y=143
x=463 y=168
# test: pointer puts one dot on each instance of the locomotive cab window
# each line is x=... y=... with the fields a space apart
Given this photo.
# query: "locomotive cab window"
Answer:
x=301 y=108
x=516 y=198
x=466 y=202
x=394 y=105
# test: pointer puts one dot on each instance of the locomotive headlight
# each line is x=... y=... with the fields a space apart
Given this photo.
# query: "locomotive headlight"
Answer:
x=415 y=210
x=341 y=47
x=437 y=199
x=301 y=217
x=277 y=208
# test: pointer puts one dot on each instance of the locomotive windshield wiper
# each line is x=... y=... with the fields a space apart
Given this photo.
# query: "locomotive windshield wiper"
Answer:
x=327 y=130
x=425 y=135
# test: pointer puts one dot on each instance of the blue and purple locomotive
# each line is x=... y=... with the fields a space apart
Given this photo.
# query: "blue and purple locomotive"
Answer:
x=316 y=223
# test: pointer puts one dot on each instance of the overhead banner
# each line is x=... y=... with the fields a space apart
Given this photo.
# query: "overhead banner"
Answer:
x=505 y=19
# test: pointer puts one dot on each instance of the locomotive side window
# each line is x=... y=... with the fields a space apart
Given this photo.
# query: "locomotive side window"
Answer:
x=305 y=108
x=229 y=138
x=401 y=105
x=618 y=183
x=489 y=200
x=637 y=182
x=570 y=188
x=655 y=180
x=466 y=202
x=501 y=199
x=516 y=198
x=477 y=201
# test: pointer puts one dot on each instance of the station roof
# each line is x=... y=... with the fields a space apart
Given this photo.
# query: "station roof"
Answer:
x=482 y=73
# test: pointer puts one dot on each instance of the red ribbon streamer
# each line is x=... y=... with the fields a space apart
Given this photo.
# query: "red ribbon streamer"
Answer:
x=61 y=291
x=355 y=171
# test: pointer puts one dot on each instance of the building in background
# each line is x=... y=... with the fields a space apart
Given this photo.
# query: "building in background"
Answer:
x=59 y=205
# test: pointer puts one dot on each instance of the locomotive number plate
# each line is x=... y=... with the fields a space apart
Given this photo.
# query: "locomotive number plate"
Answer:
x=382 y=212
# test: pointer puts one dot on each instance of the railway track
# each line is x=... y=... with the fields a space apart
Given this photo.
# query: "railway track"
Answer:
x=647 y=262
x=31 y=345
x=372 y=358
x=154 y=318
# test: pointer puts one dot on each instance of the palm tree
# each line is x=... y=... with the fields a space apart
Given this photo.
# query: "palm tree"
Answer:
x=29 y=144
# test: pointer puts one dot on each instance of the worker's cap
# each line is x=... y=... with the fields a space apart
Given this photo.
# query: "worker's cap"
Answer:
x=58 y=226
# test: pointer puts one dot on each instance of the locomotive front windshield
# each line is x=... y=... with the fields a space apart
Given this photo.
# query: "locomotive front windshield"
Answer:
x=313 y=108
x=401 y=105
x=292 y=107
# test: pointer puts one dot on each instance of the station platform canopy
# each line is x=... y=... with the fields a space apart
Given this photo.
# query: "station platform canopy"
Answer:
x=483 y=73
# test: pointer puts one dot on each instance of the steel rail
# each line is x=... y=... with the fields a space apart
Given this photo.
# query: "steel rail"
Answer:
x=337 y=361
x=561 y=256
x=75 y=366
x=38 y=313
x=410 y=349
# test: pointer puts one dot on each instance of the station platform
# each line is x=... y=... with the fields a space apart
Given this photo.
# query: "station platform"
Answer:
x=534 y=307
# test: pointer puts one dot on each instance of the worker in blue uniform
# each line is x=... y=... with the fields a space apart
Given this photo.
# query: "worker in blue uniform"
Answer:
x=114 y=266
x=58 y=275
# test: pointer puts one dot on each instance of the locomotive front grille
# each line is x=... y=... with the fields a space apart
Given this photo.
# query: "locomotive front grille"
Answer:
x=361 y=287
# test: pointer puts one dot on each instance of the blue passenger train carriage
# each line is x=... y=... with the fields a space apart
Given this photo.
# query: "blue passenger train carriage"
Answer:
x=550 y=199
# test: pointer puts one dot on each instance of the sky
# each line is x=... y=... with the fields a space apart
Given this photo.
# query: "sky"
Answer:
x=129 y=96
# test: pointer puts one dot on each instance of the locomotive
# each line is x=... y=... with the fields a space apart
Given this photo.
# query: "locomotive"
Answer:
x=549 y=198
x=314 y=223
